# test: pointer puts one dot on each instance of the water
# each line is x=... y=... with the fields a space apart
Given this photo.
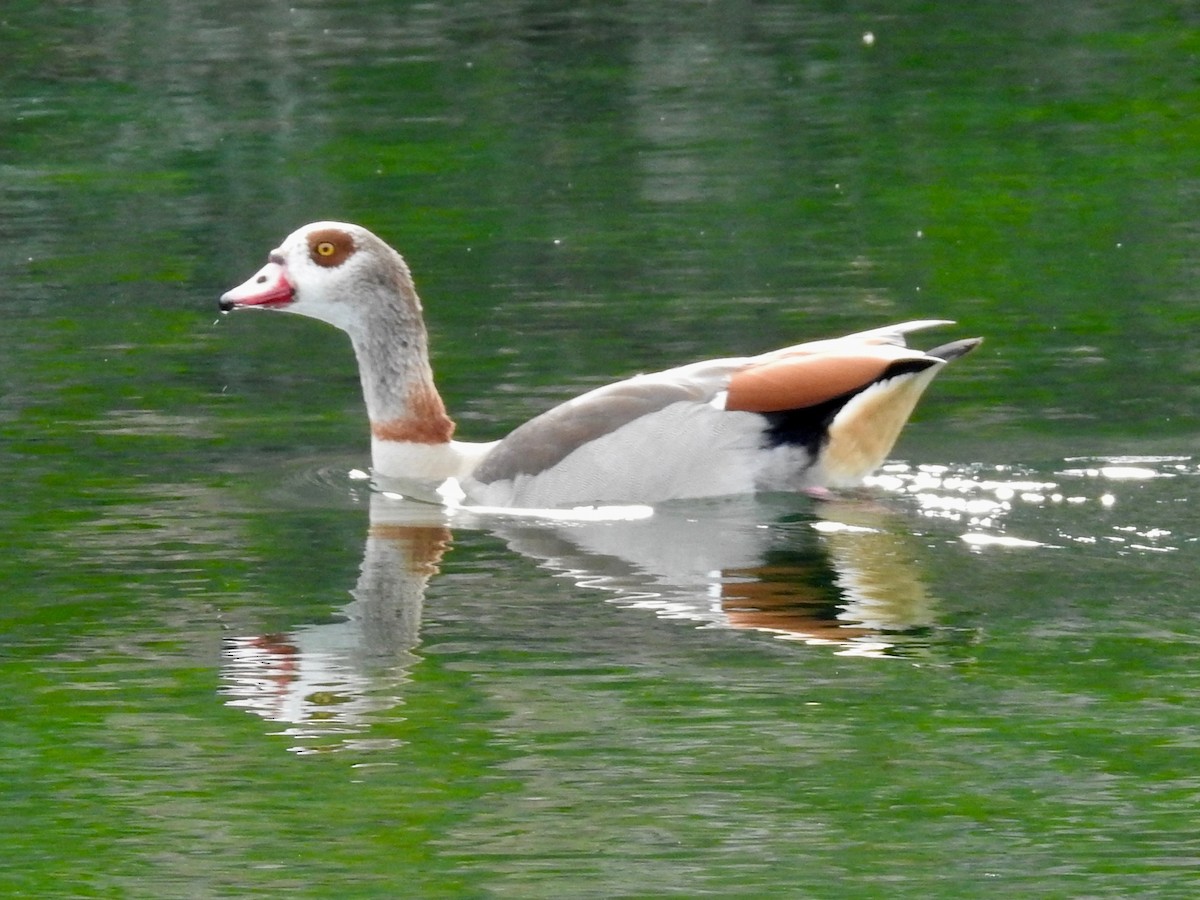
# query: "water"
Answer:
x=231 y=669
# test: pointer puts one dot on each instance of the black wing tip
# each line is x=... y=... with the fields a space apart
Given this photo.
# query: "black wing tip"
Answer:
x=955 y=349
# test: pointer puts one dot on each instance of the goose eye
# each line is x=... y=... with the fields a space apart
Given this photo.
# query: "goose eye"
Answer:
x=330 y=247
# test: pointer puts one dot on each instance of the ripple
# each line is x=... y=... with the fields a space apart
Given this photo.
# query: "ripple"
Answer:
x=998 y=540
x=321 y=484
x=1111 y=503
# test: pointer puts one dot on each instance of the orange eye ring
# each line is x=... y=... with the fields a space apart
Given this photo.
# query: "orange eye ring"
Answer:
x=326 y=249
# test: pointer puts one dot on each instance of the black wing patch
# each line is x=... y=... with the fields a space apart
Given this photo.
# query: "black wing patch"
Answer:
x=808 y=427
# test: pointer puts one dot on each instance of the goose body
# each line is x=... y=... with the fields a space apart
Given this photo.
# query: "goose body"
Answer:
x=818 y=415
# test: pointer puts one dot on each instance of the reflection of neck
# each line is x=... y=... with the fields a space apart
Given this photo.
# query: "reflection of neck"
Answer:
x=397 y=564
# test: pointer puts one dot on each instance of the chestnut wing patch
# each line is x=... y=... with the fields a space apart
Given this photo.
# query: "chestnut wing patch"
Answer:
x=804 y=380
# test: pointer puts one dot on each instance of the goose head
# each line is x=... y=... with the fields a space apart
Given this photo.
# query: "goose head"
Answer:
x=336 y=272
x=344 y=275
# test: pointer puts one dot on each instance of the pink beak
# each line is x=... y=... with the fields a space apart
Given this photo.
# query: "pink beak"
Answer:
x=268 y=288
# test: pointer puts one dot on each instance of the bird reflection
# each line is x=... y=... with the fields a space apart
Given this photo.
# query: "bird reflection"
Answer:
x=862 y=591
x=857 y=586
x=321 y=681
x=842 y=573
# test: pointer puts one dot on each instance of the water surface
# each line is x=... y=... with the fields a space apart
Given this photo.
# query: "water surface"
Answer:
x=234 y=670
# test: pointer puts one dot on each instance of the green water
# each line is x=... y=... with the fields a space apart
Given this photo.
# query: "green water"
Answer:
x=229 y=670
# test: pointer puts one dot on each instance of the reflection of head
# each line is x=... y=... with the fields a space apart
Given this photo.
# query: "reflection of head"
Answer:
x=325 y=680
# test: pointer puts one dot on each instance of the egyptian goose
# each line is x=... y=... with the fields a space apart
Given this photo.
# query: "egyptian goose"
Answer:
x=813 y=416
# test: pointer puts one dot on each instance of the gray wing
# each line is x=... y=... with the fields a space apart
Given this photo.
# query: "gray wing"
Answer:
x=549 y=438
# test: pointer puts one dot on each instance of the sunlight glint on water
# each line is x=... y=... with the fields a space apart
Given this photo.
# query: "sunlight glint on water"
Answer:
x=986 y=499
